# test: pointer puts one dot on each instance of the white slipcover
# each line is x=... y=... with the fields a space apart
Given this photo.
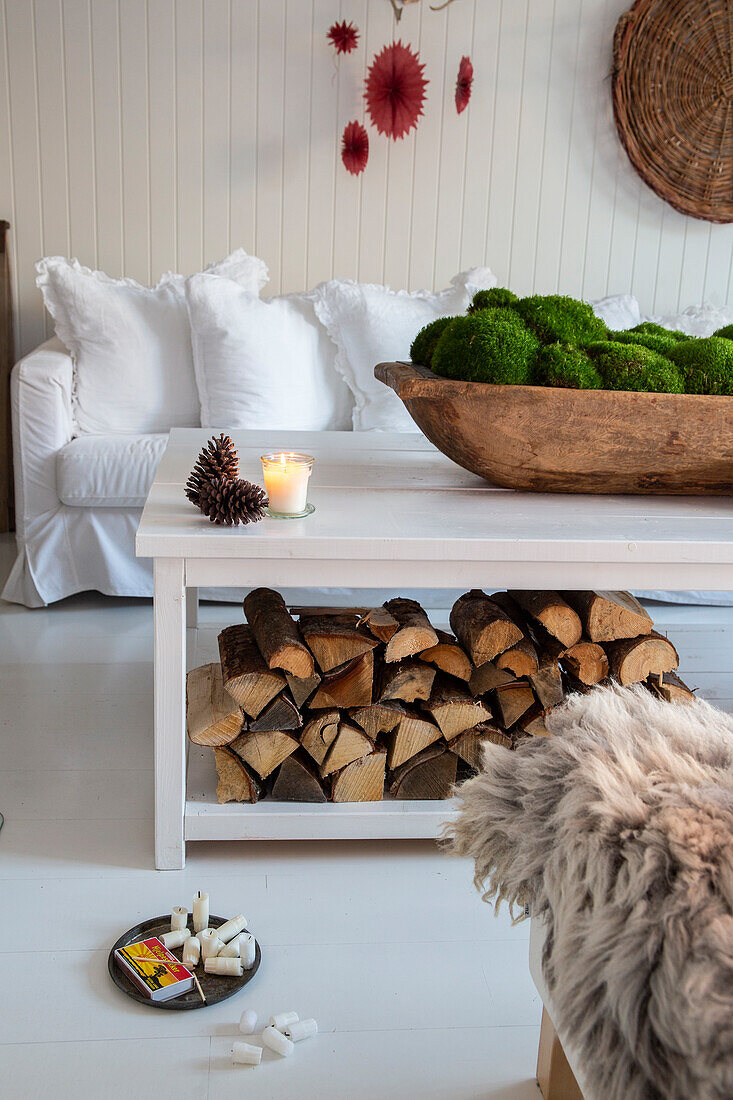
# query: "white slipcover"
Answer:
x=108 y=471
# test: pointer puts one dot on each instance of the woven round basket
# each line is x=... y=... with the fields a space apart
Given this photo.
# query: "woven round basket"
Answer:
x=673 y=101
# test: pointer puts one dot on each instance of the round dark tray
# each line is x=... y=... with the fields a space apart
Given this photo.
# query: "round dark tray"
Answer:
x=216 y=987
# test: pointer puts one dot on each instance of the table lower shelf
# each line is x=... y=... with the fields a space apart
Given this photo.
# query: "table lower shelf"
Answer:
x=391 y=819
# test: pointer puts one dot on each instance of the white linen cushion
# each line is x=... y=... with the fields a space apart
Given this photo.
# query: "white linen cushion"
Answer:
x=263 y=363
x=701 y=320
x=108 y=471
x=133 y=366
x=618 y=311
x=372 y=324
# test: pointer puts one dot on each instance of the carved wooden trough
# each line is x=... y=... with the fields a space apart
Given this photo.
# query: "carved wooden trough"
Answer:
x=546 y=439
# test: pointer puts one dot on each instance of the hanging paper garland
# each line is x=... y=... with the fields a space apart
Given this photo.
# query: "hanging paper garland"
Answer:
x=355 y=148
x=395 y=90
x=464 y=84
x=343 y=36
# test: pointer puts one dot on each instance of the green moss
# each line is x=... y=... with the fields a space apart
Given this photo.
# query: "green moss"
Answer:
x=650 y=328
x=633 y=367
x=496 y=298
x=651 y=340
x=561 y=365
x=555 y=318
x=726 y=332
x=706 y=364
x=491 y=345
x=423 y=346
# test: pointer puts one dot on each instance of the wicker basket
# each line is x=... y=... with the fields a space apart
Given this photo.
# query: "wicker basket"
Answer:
x=673 y=101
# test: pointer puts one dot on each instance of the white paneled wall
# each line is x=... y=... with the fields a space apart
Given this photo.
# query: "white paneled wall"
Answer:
x=145 y=135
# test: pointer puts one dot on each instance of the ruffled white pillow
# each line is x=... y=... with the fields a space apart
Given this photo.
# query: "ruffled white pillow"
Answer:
x=133 y=364
x=701 y=320
x=372 y=324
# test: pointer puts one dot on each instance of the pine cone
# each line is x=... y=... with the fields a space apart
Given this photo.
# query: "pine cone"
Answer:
x=232 y=502
x=218 y=459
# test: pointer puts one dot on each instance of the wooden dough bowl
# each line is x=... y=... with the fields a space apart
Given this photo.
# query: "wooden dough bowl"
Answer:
x=545 y=439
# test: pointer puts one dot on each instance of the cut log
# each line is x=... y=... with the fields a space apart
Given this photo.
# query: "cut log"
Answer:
x=213 y=717
x=378 y=718
x=362 y=781
x=547 y=680
x=280 y=714
x=348 y=686
x=448 y=656
x=380 y=623
x=297 y=781
x=264 y=751
x=411 y=736
x=487 y=677
x=319 y=734
x=454 y=708
x=244 y=673
x=415 y=632
x=410 y=680
x=512 y=701
x=610 y=616
x=469 y=745
x=301 y=688
x=482 y=627
x=521 y=659
x=553 y=612
x=350 y=744
x=587 y=662
x=635 y=659
x=237 y=783
x=669 y=687
x=431 y=774
x=334 y=640
x=276 y=633
x=533 y=722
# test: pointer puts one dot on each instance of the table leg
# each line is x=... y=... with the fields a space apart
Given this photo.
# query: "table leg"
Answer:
x=170 y=713
x=192 y=608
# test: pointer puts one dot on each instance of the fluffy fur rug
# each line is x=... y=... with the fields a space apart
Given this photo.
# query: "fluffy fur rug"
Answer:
x=619 y=833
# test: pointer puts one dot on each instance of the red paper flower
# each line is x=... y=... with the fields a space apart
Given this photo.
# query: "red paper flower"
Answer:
x=344 y=36
x=395 y=90
x=463 y=84
x=355 y=148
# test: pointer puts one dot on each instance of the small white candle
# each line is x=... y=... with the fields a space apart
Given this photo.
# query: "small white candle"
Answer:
x=231 y=928
x=233 y=949
x=302 y=1029
x=276 y=1041
x=248 y=1021
x=283 y=1019
x=247 y=950
x=286 y=481
x=200 y=912
x=230 y=968
x=244 y=1054
x=179 y=918
x=191 y=952
x=211 y=945
x=175 y=939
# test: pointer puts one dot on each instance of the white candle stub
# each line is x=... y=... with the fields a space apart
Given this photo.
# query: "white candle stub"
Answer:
x=248 y=1021
x=286 y=481
x=276 y=1041
x=244 y=1054
x=175 y=939
x=179 y=918
x=191 y=952
x=283 y=1019
x=232 y=949
x=200 y=912
x=301 y=1029
x=231 y=928
x=247 y=949
x=230 y=968
x=211 y=945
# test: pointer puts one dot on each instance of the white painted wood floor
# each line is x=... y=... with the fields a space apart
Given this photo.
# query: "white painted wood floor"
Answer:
x=418 y=989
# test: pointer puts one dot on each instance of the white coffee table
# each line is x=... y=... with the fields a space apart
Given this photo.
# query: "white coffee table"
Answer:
x=391 y=512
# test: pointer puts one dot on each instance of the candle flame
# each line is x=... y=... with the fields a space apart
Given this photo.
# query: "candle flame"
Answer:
x=282 y=461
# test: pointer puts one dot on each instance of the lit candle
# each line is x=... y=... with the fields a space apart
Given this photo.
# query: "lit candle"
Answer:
x=286 y=481
x=179 y=918
x=200 y=912
x=230 y=968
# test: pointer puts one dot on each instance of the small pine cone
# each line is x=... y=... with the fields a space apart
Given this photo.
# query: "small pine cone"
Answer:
x=232 y=502
x=218 y=459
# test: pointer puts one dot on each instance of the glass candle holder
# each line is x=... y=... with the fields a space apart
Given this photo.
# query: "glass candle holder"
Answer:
x=286 y=477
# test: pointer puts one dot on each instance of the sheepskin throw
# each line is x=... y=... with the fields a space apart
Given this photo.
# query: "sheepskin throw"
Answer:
x=618 y=831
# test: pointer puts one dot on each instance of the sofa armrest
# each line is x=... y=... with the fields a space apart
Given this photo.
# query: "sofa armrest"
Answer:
x=40 y=401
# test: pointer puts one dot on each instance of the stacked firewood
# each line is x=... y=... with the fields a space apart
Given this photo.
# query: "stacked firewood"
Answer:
x=317 y=704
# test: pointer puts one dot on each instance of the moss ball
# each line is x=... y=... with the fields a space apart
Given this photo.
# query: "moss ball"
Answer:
x=633 y=367
x=651 y=340
x=572 y=368
x=726 y=332
x=423 y=346
x=555 y=318
x=496 y=298
x=651 y=328
x=706 y=364
x=491 y=345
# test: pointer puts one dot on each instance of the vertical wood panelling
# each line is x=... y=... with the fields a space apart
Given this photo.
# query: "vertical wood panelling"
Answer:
x=148 y=135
